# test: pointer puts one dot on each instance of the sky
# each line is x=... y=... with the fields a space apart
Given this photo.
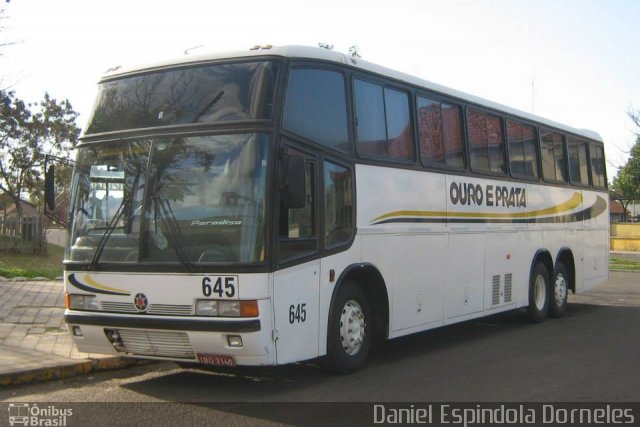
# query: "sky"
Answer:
x=572 y=61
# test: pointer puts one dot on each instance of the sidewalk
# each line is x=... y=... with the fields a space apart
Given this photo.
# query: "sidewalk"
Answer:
x=34 y=342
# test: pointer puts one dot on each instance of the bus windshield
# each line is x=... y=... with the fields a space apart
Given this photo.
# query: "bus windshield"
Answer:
x=203 y=94
x=197 y=199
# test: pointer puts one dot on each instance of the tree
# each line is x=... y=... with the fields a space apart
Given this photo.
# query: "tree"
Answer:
x=354 y=51
x=26 y=137
x=626 y=185
x=635 y=117
x=627 y=182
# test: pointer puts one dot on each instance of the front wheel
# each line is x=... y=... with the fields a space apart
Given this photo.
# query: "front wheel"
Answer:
x=538 y=294
x=559 y=291
x=350 y=329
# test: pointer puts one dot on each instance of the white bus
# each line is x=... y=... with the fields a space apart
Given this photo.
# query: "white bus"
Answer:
x=287 y=203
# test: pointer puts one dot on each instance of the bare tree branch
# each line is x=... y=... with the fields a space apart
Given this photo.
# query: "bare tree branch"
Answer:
x=634 y=115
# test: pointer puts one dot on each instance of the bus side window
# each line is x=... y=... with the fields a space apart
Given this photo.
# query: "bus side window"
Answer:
x=383 y=122
x=297 y=226
x=486 y=142
x=399 y=130
x=338 y=204
x=578 y=166
x=430 y=131
x=440 y=133
x=598 y=169
x=315 y=108
x=371 y=125
x=554 y=165
x=523 y=159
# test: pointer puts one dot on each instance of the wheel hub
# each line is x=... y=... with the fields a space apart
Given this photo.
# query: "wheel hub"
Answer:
x=352 y=327
x=560 y=289
x=540 y=292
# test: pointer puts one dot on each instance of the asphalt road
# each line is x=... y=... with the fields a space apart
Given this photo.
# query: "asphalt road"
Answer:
x=591 y=354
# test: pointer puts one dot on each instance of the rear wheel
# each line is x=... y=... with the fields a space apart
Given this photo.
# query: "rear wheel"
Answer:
x=559 y=291
x=350 y=329
x=538 y=294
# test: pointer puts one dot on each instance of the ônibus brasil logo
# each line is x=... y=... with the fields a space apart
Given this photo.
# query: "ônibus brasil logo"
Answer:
x=26 y=414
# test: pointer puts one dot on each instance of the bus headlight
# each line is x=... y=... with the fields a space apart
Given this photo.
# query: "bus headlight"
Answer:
x=218 y=308
x=205 y=307
x=82 y=302
x=229 y=308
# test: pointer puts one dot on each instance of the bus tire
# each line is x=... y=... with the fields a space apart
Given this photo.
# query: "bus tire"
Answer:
x=349 y=331
x=559 y=291
x=538 y=294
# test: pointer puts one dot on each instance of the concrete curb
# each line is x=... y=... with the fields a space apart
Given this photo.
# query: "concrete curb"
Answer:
x=72 y=369
x=34 y=279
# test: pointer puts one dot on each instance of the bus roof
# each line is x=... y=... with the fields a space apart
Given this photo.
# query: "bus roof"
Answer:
x=306 y=52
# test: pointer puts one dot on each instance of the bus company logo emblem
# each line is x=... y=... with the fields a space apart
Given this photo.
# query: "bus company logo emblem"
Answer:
x=141 y=302
x=18 y=414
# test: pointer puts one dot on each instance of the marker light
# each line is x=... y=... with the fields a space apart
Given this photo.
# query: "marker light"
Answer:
x=249 y=308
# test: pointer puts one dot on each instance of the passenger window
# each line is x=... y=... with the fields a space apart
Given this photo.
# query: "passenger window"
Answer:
x=523 y=159
x=598 y=170
x=399 y=132
x=383 y=123
x=578 y=167
x=554 y=165
x=486 y=142
x=338 y=204
x=452 y=127
x=297 y=226
x=430 y=132
x=440 y=133
x=370 y=119
x=315 y=107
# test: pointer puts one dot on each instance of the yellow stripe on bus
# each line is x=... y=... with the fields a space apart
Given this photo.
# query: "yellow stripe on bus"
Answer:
x=570 y=204
x=95 y=284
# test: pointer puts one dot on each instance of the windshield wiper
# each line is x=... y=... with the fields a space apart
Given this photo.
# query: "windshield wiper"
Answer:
x=109 y=230
x=210 y=104
x=164 y=211
x=125 y=205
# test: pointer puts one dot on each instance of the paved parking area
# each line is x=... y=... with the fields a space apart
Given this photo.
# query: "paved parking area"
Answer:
x=32 y=316
x=34 y=342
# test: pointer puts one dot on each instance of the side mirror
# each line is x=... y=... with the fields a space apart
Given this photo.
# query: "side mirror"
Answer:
x=295 y=183
x=49 y=188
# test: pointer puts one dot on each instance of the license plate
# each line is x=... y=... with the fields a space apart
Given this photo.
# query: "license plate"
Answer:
x=216 y=360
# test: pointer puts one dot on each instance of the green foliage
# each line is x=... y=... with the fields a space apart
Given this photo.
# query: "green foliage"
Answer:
x=28 y=132
x=623 y=264
x=30 y=266
x=627 y=182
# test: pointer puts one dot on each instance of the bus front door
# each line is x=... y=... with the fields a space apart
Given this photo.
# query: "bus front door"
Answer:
x=296 y=299
x=296 y=283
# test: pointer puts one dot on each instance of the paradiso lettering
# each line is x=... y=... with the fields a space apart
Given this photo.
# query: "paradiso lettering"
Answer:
x=468 y=193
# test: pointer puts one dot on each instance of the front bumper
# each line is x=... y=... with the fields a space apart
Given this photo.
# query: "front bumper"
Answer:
x=174 y=338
